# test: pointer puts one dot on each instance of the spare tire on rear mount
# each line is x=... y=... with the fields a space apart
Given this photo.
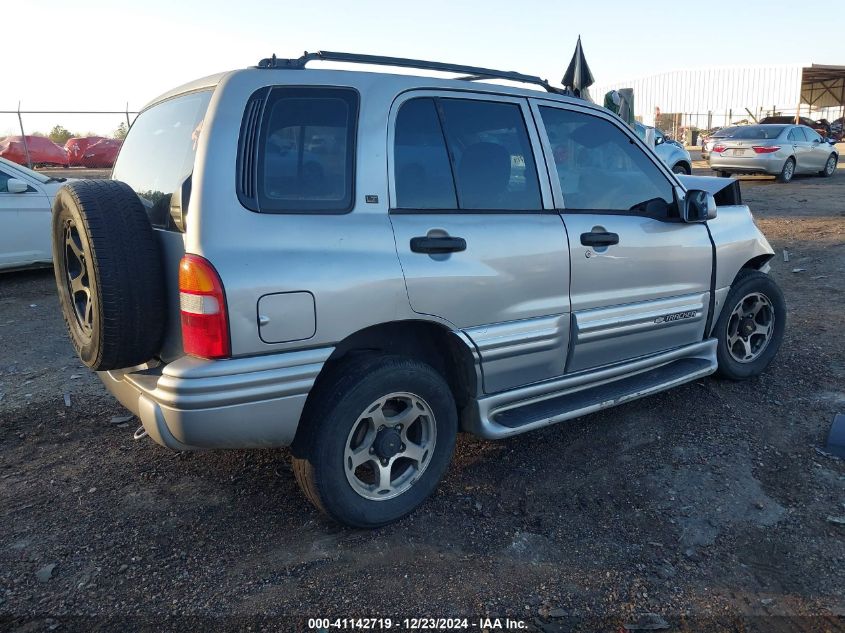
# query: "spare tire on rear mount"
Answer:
x=108 y=274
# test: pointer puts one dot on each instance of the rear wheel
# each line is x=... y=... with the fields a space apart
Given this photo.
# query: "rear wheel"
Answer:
x=378 y=436
x=681 y=168
x=723 y=174
x=788 y=171
x=829 y=166
x=751 y=326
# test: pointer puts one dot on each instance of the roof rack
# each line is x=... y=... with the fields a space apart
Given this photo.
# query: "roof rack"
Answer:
x=469 y=73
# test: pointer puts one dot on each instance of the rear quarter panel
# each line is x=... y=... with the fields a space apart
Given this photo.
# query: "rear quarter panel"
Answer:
x=348 y=262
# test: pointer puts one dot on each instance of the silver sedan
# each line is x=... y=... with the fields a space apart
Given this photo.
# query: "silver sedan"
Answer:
x=777 y=150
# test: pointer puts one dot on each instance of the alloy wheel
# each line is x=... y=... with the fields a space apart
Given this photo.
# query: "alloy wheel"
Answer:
x=788 y=170
x=390 y=446
x=78 y=278
x=750 y=327
x=830 y=166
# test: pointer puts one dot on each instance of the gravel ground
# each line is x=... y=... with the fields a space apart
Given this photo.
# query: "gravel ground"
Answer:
x=708 y=506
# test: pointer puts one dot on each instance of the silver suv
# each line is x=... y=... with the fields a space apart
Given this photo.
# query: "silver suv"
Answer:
x=360 y=265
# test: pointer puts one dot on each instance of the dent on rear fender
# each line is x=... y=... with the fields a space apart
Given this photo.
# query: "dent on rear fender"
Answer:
x=737 y=240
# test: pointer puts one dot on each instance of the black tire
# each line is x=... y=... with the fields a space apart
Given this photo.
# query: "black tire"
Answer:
x=748 y=282
x=787 y=173
x=119 y=320
x=723 y=174
x=827 y=172
x=681 y=168
x=333 y=410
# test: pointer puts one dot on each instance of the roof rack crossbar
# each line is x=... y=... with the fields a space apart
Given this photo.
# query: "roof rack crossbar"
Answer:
x=471 y=73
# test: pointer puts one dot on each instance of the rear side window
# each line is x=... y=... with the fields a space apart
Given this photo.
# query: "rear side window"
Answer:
x=465 y=154
x=423 y=173
x=493 y=164
x=305 y=151
x=158 y=153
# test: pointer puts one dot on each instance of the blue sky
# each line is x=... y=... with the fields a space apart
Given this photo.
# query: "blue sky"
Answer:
x=100 y=54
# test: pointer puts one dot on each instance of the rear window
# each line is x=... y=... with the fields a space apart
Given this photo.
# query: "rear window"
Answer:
x=305 y=151
x=726 y=131
x=758 y=131
x=158 y=153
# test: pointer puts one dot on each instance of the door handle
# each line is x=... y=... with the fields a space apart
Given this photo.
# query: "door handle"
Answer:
x=599 y=238
x=433 y=245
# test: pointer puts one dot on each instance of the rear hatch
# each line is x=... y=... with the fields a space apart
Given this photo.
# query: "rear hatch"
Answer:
x=157 y=160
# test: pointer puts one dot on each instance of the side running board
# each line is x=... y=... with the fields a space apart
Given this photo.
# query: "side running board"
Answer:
x=540 y=404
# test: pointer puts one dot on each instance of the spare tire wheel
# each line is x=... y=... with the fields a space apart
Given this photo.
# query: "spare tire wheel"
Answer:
x=108 y=274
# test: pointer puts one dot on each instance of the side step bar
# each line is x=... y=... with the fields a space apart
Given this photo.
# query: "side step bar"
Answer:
x=512 y=412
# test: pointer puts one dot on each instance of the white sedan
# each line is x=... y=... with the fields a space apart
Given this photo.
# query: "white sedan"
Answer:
x=26 y=198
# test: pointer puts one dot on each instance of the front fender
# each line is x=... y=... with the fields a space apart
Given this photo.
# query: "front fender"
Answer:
x=738 y=241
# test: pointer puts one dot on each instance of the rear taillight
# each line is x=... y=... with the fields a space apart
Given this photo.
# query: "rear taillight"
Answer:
x=765 y=149
x=205 y=331
x=719 y=149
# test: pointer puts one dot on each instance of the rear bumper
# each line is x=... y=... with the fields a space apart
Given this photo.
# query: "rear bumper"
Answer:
x=191 y=403
x=757 y=164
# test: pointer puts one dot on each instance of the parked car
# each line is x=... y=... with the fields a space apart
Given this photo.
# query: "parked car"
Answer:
x=712 y=138
x=33 y=150
x=821 y=127
x=25 y=200
x=778 y=150
x=675 y=155
x=467 y=256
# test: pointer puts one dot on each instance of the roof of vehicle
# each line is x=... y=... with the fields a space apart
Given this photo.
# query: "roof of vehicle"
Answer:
x=403 y=81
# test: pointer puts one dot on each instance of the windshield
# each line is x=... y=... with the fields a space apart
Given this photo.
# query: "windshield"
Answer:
x=26 y=170
x=758 y=131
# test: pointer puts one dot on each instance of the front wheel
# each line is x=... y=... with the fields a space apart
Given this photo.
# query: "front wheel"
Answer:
x=378 y=436
x=751 y=326
x=829 y=167
x=681 y=168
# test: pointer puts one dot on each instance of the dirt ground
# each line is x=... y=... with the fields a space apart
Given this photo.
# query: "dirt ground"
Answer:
x=709 y=506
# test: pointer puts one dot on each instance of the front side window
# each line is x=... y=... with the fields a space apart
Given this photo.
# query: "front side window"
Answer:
x=4 y=178
x=306 y=150
x=601 y=169
x=158 y=153
x=811 y=135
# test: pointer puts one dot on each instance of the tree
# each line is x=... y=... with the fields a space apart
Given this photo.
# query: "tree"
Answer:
x=121 y=131
x=59 y=135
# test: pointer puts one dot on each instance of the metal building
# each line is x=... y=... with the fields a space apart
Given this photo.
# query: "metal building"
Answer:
x=710 y=97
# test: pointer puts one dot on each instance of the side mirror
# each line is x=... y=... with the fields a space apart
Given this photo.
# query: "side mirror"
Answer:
x=698 y=206
x=13 y=185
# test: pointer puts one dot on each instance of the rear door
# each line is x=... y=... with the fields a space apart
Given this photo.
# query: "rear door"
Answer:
x=480 y=243
x=24 y=224
x=640 y=277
